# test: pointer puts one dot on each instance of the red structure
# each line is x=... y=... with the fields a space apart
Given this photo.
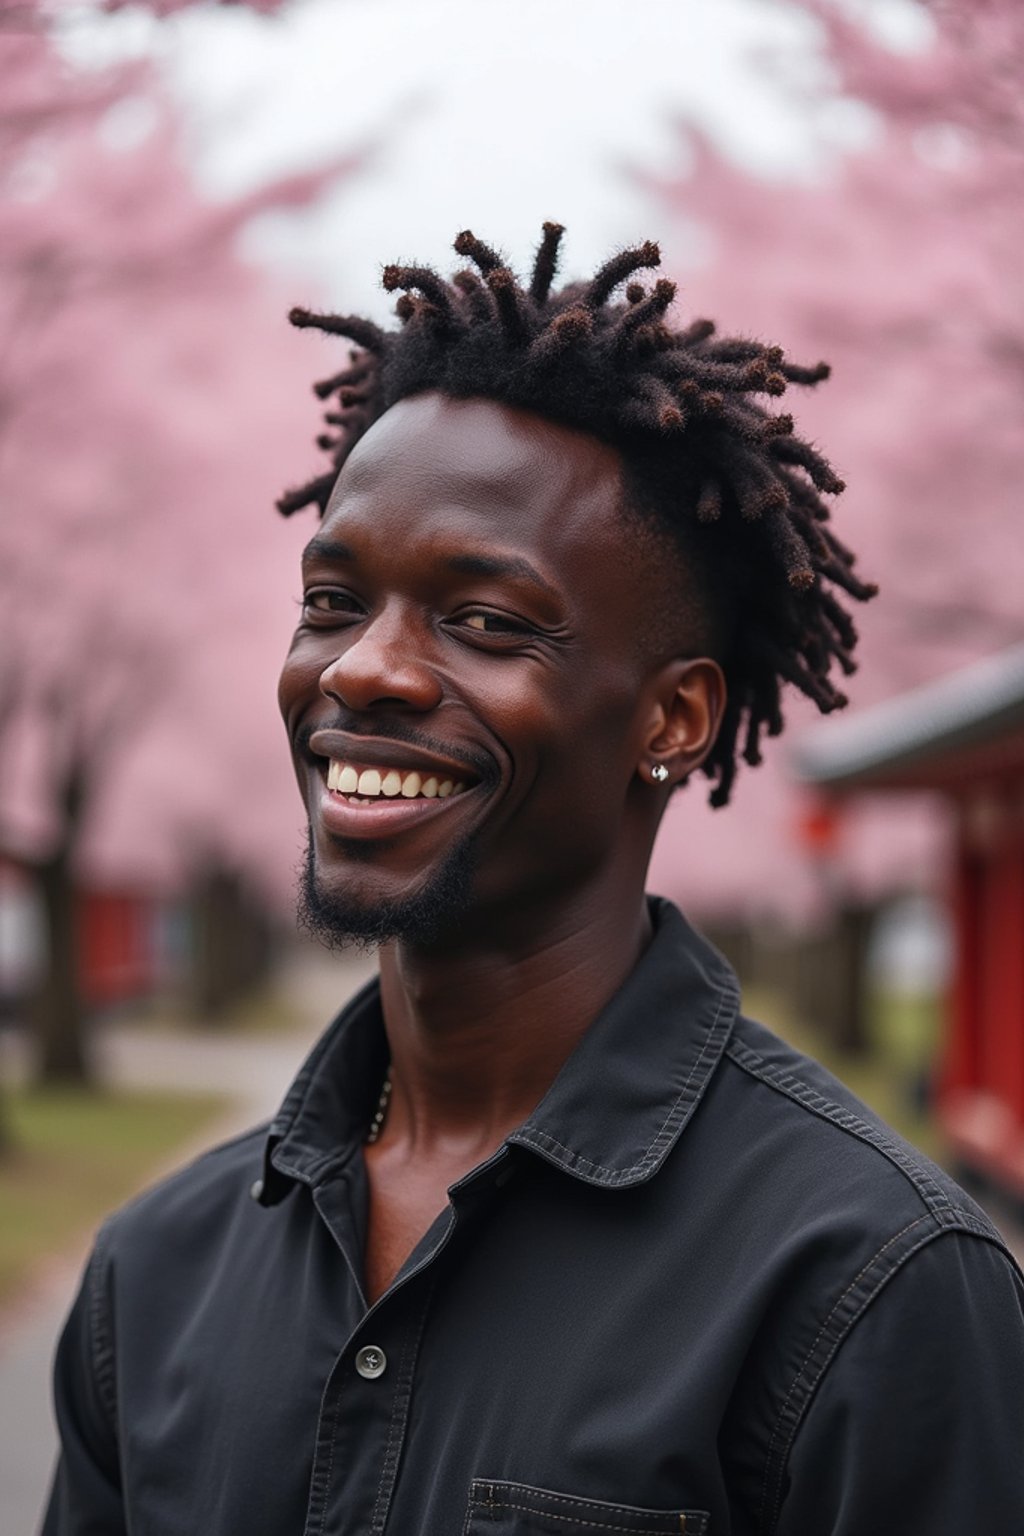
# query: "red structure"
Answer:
x=118 y=939
x=117 y=934
x=962 y=737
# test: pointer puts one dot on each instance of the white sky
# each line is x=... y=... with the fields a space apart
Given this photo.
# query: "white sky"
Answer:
x=495 y=114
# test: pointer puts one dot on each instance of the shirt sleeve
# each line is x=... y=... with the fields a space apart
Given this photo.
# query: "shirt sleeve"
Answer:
x=918 y=1422
x=85 y=1499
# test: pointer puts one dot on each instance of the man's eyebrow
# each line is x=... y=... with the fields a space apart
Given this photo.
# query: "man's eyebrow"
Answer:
x=500 y=565
x=322 y=548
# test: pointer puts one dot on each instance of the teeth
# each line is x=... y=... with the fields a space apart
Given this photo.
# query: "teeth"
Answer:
x=371 y=783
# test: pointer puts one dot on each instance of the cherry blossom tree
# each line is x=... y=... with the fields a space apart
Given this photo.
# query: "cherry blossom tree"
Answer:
x=152 y=400
x=900 y=264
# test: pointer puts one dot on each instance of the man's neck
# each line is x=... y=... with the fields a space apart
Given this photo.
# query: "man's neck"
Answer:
x=478 y=1035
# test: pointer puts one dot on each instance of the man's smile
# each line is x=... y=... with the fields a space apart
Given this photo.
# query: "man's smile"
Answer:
x=375 y=813
x=379 y=787
x=363 y=785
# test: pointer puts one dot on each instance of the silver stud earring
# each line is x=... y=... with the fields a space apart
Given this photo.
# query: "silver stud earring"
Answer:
x=659 y=773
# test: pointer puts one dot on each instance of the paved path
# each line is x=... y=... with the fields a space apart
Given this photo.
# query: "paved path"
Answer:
x=253 y=1072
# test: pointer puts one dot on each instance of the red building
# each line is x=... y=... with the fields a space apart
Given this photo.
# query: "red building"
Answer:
x=118 y=941
x=118 y=934
x=962 y=737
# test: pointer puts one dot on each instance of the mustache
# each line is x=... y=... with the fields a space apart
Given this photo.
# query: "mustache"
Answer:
x=482 y=764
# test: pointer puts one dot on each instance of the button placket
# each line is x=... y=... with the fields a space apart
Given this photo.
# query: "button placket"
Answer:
x=355 y=1420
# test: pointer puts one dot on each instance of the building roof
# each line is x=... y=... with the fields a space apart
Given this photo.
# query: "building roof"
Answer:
x=968 y=710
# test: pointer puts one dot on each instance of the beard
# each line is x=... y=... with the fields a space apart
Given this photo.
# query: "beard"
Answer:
x=423 y=919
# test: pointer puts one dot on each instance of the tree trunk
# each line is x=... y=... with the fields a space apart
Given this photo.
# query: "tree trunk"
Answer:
x=60 y=1015
x=232 y=947
x=855 y=925
x=831 y=979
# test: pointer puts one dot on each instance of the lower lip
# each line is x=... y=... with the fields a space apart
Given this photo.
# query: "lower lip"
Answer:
x=382 y=817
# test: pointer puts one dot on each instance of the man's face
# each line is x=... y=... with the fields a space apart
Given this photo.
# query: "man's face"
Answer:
x=462 y=693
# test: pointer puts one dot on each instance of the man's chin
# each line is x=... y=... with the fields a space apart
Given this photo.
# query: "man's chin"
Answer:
x=425 y=917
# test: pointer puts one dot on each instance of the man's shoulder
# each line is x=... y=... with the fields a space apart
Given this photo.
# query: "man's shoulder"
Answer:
x=880 y=1289
x=202 y=1197
x=811 y=1144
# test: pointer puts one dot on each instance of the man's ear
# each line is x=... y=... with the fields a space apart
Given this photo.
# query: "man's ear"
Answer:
x=688 y=701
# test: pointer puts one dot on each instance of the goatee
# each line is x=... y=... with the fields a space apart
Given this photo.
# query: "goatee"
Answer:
x=424 y=918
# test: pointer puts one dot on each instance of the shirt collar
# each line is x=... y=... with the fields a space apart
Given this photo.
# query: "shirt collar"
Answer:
x=613 y=1112
x=627 y=1091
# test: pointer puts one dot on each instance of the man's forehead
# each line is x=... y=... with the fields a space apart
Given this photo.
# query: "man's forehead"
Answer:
x=495 y=451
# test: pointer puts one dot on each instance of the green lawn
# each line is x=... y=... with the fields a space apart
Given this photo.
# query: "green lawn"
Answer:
x=71 y=1156
x=268 y=1012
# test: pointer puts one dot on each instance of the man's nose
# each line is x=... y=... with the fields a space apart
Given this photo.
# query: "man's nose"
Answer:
x=385 y=662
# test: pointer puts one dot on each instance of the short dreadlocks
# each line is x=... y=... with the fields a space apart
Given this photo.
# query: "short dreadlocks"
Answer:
x=728 y=480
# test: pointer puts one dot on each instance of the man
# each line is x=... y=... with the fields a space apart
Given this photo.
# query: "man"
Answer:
x=546 y=1237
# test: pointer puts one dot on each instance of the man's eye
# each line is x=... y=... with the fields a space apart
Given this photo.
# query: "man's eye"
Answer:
x=487 y=623
x=329 y=600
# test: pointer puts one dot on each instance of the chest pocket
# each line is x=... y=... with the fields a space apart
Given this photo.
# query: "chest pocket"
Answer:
x=516 y=1509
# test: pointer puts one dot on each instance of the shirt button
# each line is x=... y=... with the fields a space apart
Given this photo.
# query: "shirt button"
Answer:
x=256 y=1189
x=371 y=1361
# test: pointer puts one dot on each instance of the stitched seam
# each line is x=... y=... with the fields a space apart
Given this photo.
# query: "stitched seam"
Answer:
x=546 y=1496
x=101 y=1342
x=809 y=1385
x=396 y=1413
x=320 y=1169
x=326 y=1430
x=792 y=1087
x=883 y=1280
x=330 y=1426
x=470 y=1507
x=593 y=1525
x=542 y=1496
x=650 y=1153
x=399 y=1416
x=974 y=1229
x=709 y=1037
x=797 y=1380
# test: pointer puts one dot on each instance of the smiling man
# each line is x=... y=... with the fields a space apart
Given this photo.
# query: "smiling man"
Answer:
x=547 y=1237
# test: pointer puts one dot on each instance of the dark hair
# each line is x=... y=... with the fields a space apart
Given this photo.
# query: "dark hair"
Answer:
x=728 y=480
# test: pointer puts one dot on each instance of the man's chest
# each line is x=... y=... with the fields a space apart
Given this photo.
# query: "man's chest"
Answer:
x=404 y=1199
x=538 y=1366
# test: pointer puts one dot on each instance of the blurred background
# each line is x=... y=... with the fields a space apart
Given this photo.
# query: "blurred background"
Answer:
x=840 y=176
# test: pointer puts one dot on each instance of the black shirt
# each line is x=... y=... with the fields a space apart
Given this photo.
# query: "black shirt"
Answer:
x=701 y=1289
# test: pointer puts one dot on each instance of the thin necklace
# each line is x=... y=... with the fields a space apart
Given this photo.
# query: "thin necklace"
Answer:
x=380 y=1112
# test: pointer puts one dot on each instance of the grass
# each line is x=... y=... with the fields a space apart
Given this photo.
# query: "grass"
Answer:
x=902 y=1034
x=72 y=1156
x=267 y=1013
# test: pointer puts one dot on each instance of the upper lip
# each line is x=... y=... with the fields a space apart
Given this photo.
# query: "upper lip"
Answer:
x=381 y=752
